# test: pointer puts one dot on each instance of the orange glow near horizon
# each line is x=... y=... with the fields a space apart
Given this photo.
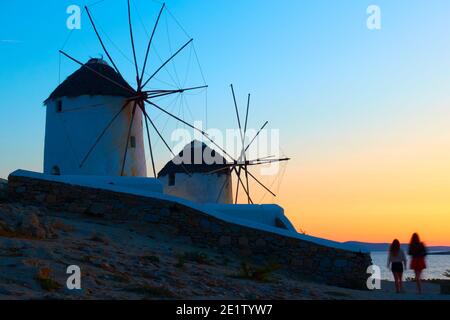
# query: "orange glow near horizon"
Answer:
x=373 y=194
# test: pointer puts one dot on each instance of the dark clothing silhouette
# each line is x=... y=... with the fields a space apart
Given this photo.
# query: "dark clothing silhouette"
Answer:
x=417 y=250
x=418 y=253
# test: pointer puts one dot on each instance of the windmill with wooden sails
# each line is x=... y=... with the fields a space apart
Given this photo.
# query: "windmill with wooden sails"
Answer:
x=84 y=139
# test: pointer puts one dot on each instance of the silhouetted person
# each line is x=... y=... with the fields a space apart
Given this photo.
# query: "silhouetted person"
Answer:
x=397 y=263
x=418 y=252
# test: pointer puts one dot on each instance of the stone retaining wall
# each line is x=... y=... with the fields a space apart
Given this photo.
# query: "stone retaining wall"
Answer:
x=308 y=260
x=3 y=189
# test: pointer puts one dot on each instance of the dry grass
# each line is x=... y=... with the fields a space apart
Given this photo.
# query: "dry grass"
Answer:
x=59 y=225
x=11 y=252
x=255 y=273
x=99 y=238
x=16 y=235
x=150 y=258
x=193 y=256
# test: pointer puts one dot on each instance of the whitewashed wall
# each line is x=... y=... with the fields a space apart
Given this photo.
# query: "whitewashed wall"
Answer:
x=70 y=134
x=266 y=214
x=200 y=188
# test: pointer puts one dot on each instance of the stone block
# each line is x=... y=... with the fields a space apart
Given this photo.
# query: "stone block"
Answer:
x=164 y=212
x=98 y=209
x=78 y=207
x=51 y=199
x=205 y=224
x=20 y=190
x=325 y=262
x=260 y=243
x=340 y=263
x=151 y=218
x=39 y=198
x=225 y=241
x=296 y=263
x=243 y=241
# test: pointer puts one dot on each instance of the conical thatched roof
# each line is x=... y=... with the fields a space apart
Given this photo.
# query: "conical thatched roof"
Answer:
x=194 y=155
x=86 y=82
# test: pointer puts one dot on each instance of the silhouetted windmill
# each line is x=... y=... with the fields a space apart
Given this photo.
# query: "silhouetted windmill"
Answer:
x=138 y=97
x=241 y=165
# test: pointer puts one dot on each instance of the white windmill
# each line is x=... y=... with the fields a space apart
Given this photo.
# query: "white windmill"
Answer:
x=95 y=118
x=210 y=174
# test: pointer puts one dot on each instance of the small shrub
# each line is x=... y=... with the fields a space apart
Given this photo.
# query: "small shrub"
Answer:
x=59 y=225
x=181 y=260
x=3 y=226
x=7 y=232
x=263 y=274
x=12 y=252
x=99 y=238
x=447 y=273
x=120 y=277
x=32 y=262
x=113 y=273
x=198 y=257
x=151 y=259
x=225 y=261
x=107 y=267
x=152 y=291
x=87 y=259
x=336 y=293
x=43 y=276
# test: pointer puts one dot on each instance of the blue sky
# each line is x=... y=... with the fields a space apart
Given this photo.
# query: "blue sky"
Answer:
x=363 y=114
x=313 y=67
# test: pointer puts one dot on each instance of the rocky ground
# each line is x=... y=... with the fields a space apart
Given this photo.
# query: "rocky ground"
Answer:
x=132 y=261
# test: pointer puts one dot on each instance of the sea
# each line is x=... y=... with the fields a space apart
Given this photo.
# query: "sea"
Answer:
x=436 y=266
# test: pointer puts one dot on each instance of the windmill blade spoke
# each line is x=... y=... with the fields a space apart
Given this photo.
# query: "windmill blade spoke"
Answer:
x=132 y=43
x=141 y=105
x=128 y=139
x=246 y=178
x=238 y=175
x=150 y=42
x=242 y=155
x=246 y=115
x=243 y=187
x=190 y=126
x=260 y=183
x=97 y=73
x=159 y=93
x=101 y=41
x=166 y=62
x=223 y=187
x=91 y=149
x=243 y=143
x=163 y=140
x=263 y=158
x=256 y=136
x=159 y=134
x=237 y=111
x=268 y=161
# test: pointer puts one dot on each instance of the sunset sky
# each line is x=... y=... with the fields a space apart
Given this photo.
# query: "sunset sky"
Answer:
x=364 y=114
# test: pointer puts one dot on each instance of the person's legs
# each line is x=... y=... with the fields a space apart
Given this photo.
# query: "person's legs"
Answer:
x=397 y=285
x=418 y=280
x=400 y=281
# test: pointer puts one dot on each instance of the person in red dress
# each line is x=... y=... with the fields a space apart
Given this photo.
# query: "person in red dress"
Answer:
x=418 y=252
